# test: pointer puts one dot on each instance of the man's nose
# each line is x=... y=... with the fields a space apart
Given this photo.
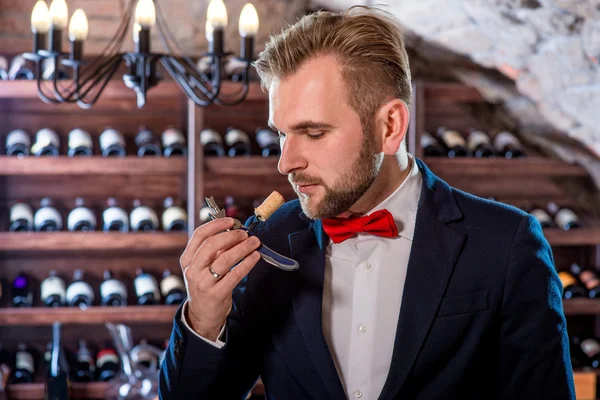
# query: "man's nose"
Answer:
x=291 y=158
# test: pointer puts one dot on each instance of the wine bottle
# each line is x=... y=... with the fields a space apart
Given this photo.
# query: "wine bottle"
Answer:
x=115 y=218
x=113 y=292
x=430 y=146
x=479 y=144
x=172 y=288
x=80 y=293
x=21 y=218
x=84 y=370
x=564 y=218
x=19 y=69
x=174 y=217
x=24 y=371
x=456 y=146
x=146 y=288
x=592 y=349
x=212 y=143
x=507 y=145
x=238 y=142
x=571 y=289
x=579 y=359
x=6 y=363
x=112 y=143
x=173 y=143
x=46 y=143
x=541 y=215
x=81 y=218
x=53 y=290
x=231 y=208
x=268 y=141
x=3 y=69
x=205 y=214
x=80 y=143
x=143 y=218
x=146 y=143
x=590 y=280
x=107 y=364
x=18 y=143
x=22 y=295
x=47 y=218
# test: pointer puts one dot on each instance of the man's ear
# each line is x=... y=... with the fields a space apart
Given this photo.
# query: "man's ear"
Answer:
x=392 y=124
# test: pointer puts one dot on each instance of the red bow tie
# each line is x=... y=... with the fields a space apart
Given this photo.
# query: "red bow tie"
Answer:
x=379 y=223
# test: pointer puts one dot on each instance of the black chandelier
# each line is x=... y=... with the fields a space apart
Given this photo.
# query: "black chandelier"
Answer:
x=89 y=78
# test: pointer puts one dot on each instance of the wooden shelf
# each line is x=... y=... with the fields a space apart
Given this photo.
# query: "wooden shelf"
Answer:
x=491 y=167
x=95 y=165
x=96 y=241
x=584 y=236
x=581 y=307
x=94 y=315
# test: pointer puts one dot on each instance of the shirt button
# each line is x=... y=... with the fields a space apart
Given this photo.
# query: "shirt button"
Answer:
x=357 y=394
x=367 y=265
x=362 y=328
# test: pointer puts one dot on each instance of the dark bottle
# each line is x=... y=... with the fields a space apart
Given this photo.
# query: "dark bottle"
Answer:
x=80 y=293
x=56 y=382
x=113 y=292
x=24 y=370
x=268 y=141
x=431 y=147
x=479 y=144
x=3 y=69
x=591 y=348
x=146 y=288
x=507 y=145
x=147 y=144
x=173 y=143
x=212 y=143
x=21 y=218
x=590 y=280
x=81 y=218
x=22 y=295
x=115 y=219
x=19 y=69
x=143 y=218
x=456 y=146
x=53 y=291
x=46 y=143
x=571 y=289
x=564 y=218
x=47 y=218
x=85 y=368
x=540 y=214
x=112 y=143
x=172 y=288
x=174 y=217
x=107 y=364
x=80 y=143
x=18 y=143
x=579 y=359
x=238 y=143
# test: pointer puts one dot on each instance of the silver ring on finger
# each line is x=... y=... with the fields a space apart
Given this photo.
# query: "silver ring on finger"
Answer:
x=213 y=273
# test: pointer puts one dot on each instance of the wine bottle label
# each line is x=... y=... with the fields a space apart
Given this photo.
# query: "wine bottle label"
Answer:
x=566 y=279
x=21 y=211
x=210 y=136
x=18 y=136
x=172 y=214
x=80 y=138
x=24 y=360
x=81 y=214
x=589 y=279
x=427 y=140
x=477 y=138
x=142 y=213
x=453 y=138
x=113 y=286
x=144 y=137
x=146 y=284
x=106 y=356
x=235 y=135
x=110 y=137
x=112 y=214
x=503 y=139
x=47 y=214
x=171 y=136
x=79 y=288
x=590 y=347
x=565 y=216
x=47 y=137
x=266 y=137
x=541 y=215
x=171 y=282
x=205 y=213
x=52 y=285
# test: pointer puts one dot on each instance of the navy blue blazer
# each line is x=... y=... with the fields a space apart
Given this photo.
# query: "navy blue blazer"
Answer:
x=481 y=314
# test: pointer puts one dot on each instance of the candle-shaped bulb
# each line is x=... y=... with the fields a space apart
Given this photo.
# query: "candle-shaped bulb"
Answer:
x=40 y=18
x=248 y=21
x=59 y=14
x=217 y=14
x=78 y=27
x=145 y=14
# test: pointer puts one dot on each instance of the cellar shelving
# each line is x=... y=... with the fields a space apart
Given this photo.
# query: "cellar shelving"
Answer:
x=490 y=167
x=582 y=307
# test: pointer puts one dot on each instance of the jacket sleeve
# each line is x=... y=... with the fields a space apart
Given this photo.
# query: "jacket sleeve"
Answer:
x=534 y=344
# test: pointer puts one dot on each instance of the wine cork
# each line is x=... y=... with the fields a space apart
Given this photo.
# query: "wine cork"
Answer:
x=269 y=206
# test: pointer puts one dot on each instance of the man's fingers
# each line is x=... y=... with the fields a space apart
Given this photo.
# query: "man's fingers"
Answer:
x=223 y=263
x=235 y=276
x=200 y=235
x=207 y=252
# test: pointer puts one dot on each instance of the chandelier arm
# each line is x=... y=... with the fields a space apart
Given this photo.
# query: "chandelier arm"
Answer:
x=82 y=103
x=113 y=62
x=244 y=91
x=184 y=85
x=45 y=98
x=191 y=74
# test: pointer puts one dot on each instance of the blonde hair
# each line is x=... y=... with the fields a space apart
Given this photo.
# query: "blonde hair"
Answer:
x=367 y=43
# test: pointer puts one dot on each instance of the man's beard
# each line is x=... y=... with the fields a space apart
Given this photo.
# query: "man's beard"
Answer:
x=350 y=186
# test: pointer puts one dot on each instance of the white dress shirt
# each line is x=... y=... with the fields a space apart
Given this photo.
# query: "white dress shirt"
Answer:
x=362 y=294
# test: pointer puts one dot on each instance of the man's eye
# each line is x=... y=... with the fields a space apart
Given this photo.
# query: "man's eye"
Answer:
x=316 y=136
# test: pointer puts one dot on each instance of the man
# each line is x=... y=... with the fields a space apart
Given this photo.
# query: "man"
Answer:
x=407 y=288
